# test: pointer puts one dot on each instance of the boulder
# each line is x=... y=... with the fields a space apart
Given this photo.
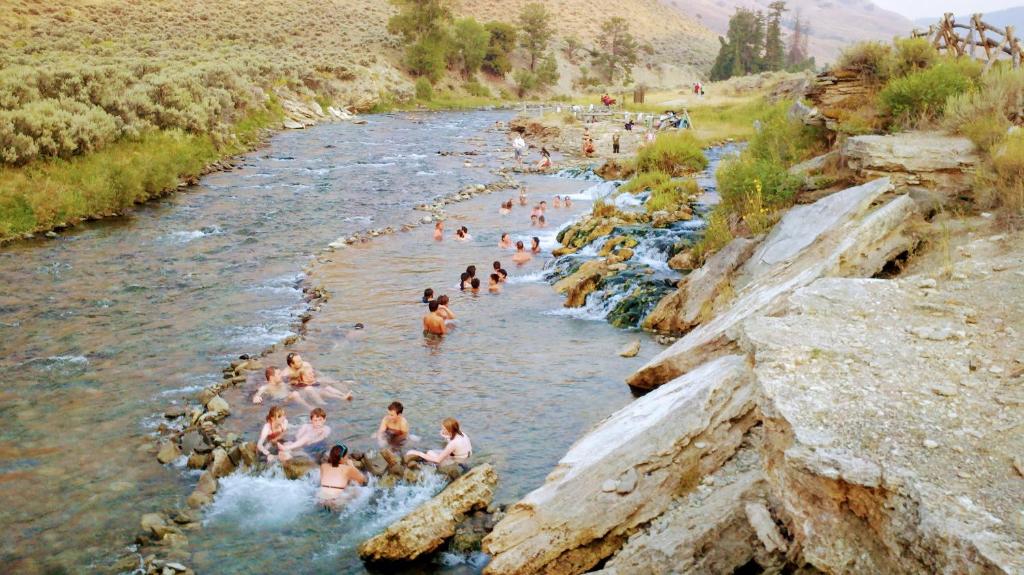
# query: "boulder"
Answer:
x=375 y=463
x=839 y=235
x=169 y=451
x=929 y=159
x=198 y=499
x=678 y=312
x=631 y=349
x=297 y=467
x=290 y=124
x=221 y=465
x=647 y=453
x=217 y=404
x=580 y=284
x=426 y=528
x=154 y=524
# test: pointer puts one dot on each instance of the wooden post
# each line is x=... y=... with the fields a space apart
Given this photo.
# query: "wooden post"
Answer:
x=1014 y=46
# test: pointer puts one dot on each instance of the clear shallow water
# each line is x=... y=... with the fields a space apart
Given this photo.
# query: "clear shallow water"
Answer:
x=104 y=327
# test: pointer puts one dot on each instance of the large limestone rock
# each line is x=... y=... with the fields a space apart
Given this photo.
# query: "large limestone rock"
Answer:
x=889 y=454
x=686 y=307
x=929 y=159
x=425 y=529
x=839 y=235
x=626 y=472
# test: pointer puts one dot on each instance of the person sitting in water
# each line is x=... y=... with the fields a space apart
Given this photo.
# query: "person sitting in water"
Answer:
x=433 y=323
x=428 y=294
x=272 y=434
x=458 y=448
x=503 y=274
x=545 y=159
x=506 y=241
x=537 y=211
x=543 y=207
x=311 y=437
x=464 y=281
x=495 y=283
x=533 y=220
x=302 y=378
x=335 y=475
x=535 y=245
x=460 y=236
x=465 y=233
x=557 y=203
x=394 y=428
x=505 y=209
x=521 y=256
x=443 y=310
x=542 y=222
x=522 y=196
x=356 y=332
x=568 y=202
x=496 y=266
x=439 y=231
x=275 y=388
x=474 y=285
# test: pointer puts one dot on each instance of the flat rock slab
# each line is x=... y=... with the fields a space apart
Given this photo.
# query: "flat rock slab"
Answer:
x=431 y=524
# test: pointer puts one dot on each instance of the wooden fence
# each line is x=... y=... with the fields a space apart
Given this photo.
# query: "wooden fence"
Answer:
x=993 y=42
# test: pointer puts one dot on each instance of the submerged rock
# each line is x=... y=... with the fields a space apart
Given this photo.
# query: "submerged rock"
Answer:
x=298 y=467
x=426 y=528
x=169 y=451
x=631 y=349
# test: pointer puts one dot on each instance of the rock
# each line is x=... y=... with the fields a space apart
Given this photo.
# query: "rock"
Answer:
x=682 y=261
x=177 y=567
x=207 y=483
x=631 y=349
x=452 y=470
x=177 y=540
x=198 y=499
x=815 y=165
x=154 y=523
x=175 y=411
x=426 y=528
x=216 y=404
x=250 y=455
x=929 y=159
x=572 y=522
x=580 y=284
x=198 y=460
x=184 y=517
x=375 y=463
x=298 y=467
x=839 y=235
x=169 y=451
x=221 y=465
x=290 y=124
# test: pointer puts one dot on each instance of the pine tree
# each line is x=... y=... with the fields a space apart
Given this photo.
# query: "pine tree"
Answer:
x=774 y=49
x=535 y=21
x=742 y=50
x=617 y=50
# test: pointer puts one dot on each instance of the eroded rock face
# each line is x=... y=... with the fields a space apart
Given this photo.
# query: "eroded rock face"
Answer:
x=839 y=235
x=929 y=159
x=426 y=528
x=626 y=472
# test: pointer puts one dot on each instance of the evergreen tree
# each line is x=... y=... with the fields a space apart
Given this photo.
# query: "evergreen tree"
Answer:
x=798 y=58
x=617 y=50
x=742 y=50
x=502 y=43
x=774 y=49
x=535 y=22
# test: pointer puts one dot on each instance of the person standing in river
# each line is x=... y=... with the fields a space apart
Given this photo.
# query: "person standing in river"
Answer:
x=506 y=241
x=521 y=256
x=394 y=428
x=443 y=310
x=615 y=143
x=519 y=148
x=433 y=323
x=439 y=231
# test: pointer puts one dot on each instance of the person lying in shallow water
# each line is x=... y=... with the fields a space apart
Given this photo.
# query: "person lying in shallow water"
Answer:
x=272 y=434
x=303 y=379
x=458 y=448
x=276 y=389
x=336 y=476
x=394 y=428
x=310 y=437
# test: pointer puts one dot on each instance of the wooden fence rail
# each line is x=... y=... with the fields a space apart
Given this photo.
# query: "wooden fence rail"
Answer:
x=995 y=42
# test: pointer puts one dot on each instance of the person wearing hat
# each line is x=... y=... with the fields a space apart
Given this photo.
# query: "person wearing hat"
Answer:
x=336 y=474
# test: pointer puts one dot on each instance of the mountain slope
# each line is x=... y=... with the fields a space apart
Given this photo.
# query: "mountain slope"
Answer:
x=999 y=18
x=834 y=23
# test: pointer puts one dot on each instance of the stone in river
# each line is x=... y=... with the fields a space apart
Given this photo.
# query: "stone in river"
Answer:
x=218 y=405
x=153 y=523
x=175 y=411
x=431 y=524
x=297 y=467
x=631 y=349
x=169 y=451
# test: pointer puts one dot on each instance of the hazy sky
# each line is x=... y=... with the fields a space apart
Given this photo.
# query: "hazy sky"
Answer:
x=918 y=9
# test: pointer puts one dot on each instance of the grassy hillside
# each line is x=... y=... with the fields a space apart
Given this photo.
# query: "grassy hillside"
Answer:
x=834 y=23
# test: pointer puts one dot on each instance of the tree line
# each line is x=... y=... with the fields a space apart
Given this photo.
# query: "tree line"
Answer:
x=754 y=44
x=436 y=42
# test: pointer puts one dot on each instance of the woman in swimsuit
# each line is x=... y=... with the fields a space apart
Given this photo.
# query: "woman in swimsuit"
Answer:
x=273 y=434
x=458 y=450
x=335 y=475
x=535 y=246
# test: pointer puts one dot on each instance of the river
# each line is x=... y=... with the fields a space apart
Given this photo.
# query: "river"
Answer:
x=103 y=327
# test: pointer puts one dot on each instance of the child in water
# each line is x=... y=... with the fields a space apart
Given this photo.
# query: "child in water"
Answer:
x=494 y=286
x=394 y=428
x=272 y=435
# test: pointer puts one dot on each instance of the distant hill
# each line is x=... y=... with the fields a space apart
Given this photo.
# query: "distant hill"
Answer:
x=684 y=49
x=1008 y=17
x=834 y=23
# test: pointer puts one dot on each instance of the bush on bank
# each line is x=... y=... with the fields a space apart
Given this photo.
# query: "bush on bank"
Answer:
x=673 y=153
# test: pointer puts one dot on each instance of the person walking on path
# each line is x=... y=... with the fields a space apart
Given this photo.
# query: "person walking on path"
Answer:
x=615 y=143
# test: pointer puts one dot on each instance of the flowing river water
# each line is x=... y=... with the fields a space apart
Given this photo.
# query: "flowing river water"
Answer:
x=104 y=327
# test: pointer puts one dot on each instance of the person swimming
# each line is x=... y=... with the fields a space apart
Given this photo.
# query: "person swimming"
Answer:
x=272 y=434
x=394 y=428
x=302 y=378
x=336 y=474
x=433 y=322
x=428 y=294
x=310 y=437
x=521 y=256
x=495 y=283
x=503 y=274
x=543 y=205
x=443 y=310
x=557 y=203
x=536 y=211
x=465 y=233
x=568 y=202
x=535 y=246
x=474 y=285
x=439 y=231
x=541 y=222
x=458 y=448
x=275 y=388
x=506 y=241
x=505 y=209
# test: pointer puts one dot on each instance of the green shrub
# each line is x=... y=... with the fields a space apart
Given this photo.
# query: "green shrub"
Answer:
x=644 y=181
x=920 y=97
x=739 y=178
x=671 y=195
x=1008 y=166
x=914 y=54
x=424 y=89
x=716 y=235
x=782 y=139
x=474 y=88
x=674 y=153
x=874 y=60
x=984 y=115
